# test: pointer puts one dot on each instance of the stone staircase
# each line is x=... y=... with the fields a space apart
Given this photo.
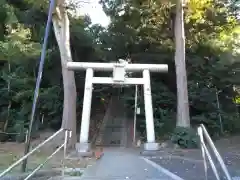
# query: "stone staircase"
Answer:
x=108 y=115
x=113 y=131
x=97 y=124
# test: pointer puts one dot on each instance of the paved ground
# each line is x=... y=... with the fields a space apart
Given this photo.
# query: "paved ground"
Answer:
x=187 y=164
x=121 y=163
x=190 y=170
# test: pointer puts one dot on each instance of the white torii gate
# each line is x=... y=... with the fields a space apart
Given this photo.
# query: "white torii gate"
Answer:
x=119 y=70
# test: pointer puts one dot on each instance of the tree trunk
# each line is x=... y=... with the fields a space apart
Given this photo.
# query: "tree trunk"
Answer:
x=9 y=101
x=183 y=118
x=61 y=30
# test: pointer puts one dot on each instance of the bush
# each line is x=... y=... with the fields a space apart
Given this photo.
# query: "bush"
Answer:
x=185 y=137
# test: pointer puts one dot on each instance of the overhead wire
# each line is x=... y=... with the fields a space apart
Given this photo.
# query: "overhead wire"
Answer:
x=39 y=78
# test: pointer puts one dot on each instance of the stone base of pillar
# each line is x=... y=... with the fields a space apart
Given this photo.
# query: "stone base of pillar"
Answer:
x=151 y=146
x=150 y=149
x=84 y=149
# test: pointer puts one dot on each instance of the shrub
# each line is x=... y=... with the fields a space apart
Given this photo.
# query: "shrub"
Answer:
x=185 y=137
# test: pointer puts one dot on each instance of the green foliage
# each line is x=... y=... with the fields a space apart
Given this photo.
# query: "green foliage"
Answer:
x=185 y=137
x=237 y=100
x=141 y=31
x=22 y=26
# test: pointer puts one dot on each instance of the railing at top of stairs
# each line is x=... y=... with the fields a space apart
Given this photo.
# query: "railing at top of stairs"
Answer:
x=63 y=145
x=203 y=134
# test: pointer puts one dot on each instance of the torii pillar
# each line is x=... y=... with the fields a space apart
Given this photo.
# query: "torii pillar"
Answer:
x=119 y=70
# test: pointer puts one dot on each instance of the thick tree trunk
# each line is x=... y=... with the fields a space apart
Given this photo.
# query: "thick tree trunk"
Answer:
x=9 y=102
x=61 y=30
x=183 y=118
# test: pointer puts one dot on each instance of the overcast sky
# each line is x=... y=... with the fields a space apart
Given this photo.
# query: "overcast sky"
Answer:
x=94 y=10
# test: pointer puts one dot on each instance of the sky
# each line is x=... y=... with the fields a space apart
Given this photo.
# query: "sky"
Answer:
x=95 y=11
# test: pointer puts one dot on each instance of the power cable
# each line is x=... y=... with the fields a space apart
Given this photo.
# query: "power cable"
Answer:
x=39 y=78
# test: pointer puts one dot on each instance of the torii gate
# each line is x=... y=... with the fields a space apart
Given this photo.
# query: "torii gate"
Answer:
x=119 y=70
x=61 y=29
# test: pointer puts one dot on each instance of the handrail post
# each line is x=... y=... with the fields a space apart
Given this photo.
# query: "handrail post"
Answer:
x=63 y=145
x=28 y=154
x=67 y=135
x=205 y=150
x=200 y=134
x=218 y=156
x=42 y=164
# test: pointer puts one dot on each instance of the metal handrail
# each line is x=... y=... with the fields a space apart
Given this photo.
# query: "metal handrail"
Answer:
x=203 y=134
x=64 y=145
